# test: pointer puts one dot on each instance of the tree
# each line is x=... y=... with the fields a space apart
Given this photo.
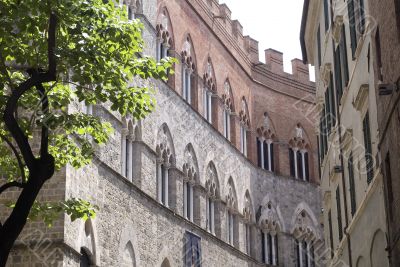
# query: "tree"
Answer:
x=53 y=54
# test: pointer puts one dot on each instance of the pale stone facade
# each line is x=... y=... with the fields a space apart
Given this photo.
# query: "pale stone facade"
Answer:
x=336 y=38
x=194 y=164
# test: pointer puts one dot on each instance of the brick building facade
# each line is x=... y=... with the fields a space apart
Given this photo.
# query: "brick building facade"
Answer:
x=387 y=68
x=225 y=169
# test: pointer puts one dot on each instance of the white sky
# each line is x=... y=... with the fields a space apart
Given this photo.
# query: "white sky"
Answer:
x=273 y=23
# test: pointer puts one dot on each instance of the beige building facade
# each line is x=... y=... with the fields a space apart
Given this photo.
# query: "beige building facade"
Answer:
x=336 y=38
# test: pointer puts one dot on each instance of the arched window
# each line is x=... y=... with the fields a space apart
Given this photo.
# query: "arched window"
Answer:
x=165 y=161
x=208 y=91
x=132 y=9
x=270 y=227
x=188 y=71
x=212 y=187
x=128 y=137
x=265 y=145
x=227 y=110
x=244 y=127
x=305 y=238
x=164 y=36
x=231 y=211
x=298 y=156
x=190 y=171
x=248 y=220
x=85 y=258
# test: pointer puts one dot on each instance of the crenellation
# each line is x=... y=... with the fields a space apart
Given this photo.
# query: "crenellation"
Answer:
x=224 y=11
x=252 y=49
x=300 y=70
x=274 y=60
x=237 y=28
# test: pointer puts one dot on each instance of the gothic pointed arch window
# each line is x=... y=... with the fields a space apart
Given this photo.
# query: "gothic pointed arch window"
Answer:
x=88 y=247
x=212 y=198
x=209 y=90
x=165 y=160
x=190 y=171
x=231 y=214
x=188 y=72
x=164 y=35
x=270 y=229
x=248 y=215
x=265 y=145
x=244 y=127
x=306 y=238
x=228 y=110
x=299 y=155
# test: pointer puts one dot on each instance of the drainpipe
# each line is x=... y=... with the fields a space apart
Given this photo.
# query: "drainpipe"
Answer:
x=344 y=185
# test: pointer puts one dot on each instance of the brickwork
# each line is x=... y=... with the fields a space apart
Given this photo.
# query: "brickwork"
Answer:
x=386 y=15
x=131 y=225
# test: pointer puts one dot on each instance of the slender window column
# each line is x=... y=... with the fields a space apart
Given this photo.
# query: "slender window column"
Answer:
x=159 y=181
x=231 y=228
x=209 y=115
x=228 y=123
x=245 y=141
x=269 y=142
x=262 y=152
x=191 y=202
x=295 y=162
x=159 y=49
x=165 y=50
x=308 y=254
x=166 y=186
x=184 y=82
x=303 y=162
x=189 y=86
x=301 y=253
x=212 y=210
x=205 y=102
x=266 y=248
x=274 y=249
x=225 y=123
x=241 y=139
x=130 y=159
x=185 y=185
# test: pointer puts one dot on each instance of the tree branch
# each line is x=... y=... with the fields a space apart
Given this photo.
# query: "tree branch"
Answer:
x=44 y=142
x=6 y=186
x=51 y=45
x=20 y=164
x=4 y=70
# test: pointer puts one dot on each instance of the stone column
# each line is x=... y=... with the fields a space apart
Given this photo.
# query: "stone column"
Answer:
x=191 y=202
x=262 y=152
x=166 y=185
x=295 y=162
x=269 y=142
x=159 y=180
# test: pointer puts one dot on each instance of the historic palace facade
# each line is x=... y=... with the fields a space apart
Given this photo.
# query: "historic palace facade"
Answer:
x=224 y=172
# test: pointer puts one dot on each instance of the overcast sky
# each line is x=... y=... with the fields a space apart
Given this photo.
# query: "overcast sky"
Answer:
x=273 y=23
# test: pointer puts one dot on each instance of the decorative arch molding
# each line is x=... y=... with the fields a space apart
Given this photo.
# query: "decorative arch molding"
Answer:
x=227 y=96
x=248 y=208
x=212 y=181
x=231 y=196
x=131 y=128
x=266 y=129
x=300 y=138
x=164 y=28
x=165 y=147
x=190 y=167
x=304 y=223
x=129 y=236
x=188 y=55
x=209 y=76
x=244 y=114
x=88 y=240
x=271 y=218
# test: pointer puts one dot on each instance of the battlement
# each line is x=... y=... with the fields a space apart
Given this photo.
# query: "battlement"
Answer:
x=245 y=48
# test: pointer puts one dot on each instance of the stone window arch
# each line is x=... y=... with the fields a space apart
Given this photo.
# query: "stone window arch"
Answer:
x=189 y=77
x=228 y=111
x=244 y=127
x=128 y=259
x=271 y=227
x=165 y=263
x=128 y=135
x=165 y=41
x=165 y=160
x=306 y=236
x=190 y=182
x=299 y=155
x=248 y=222
x=213 y=220
x=88 y=248
x=209 y=91
x=265 y=144
x=377 y=250
x=232 y=224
